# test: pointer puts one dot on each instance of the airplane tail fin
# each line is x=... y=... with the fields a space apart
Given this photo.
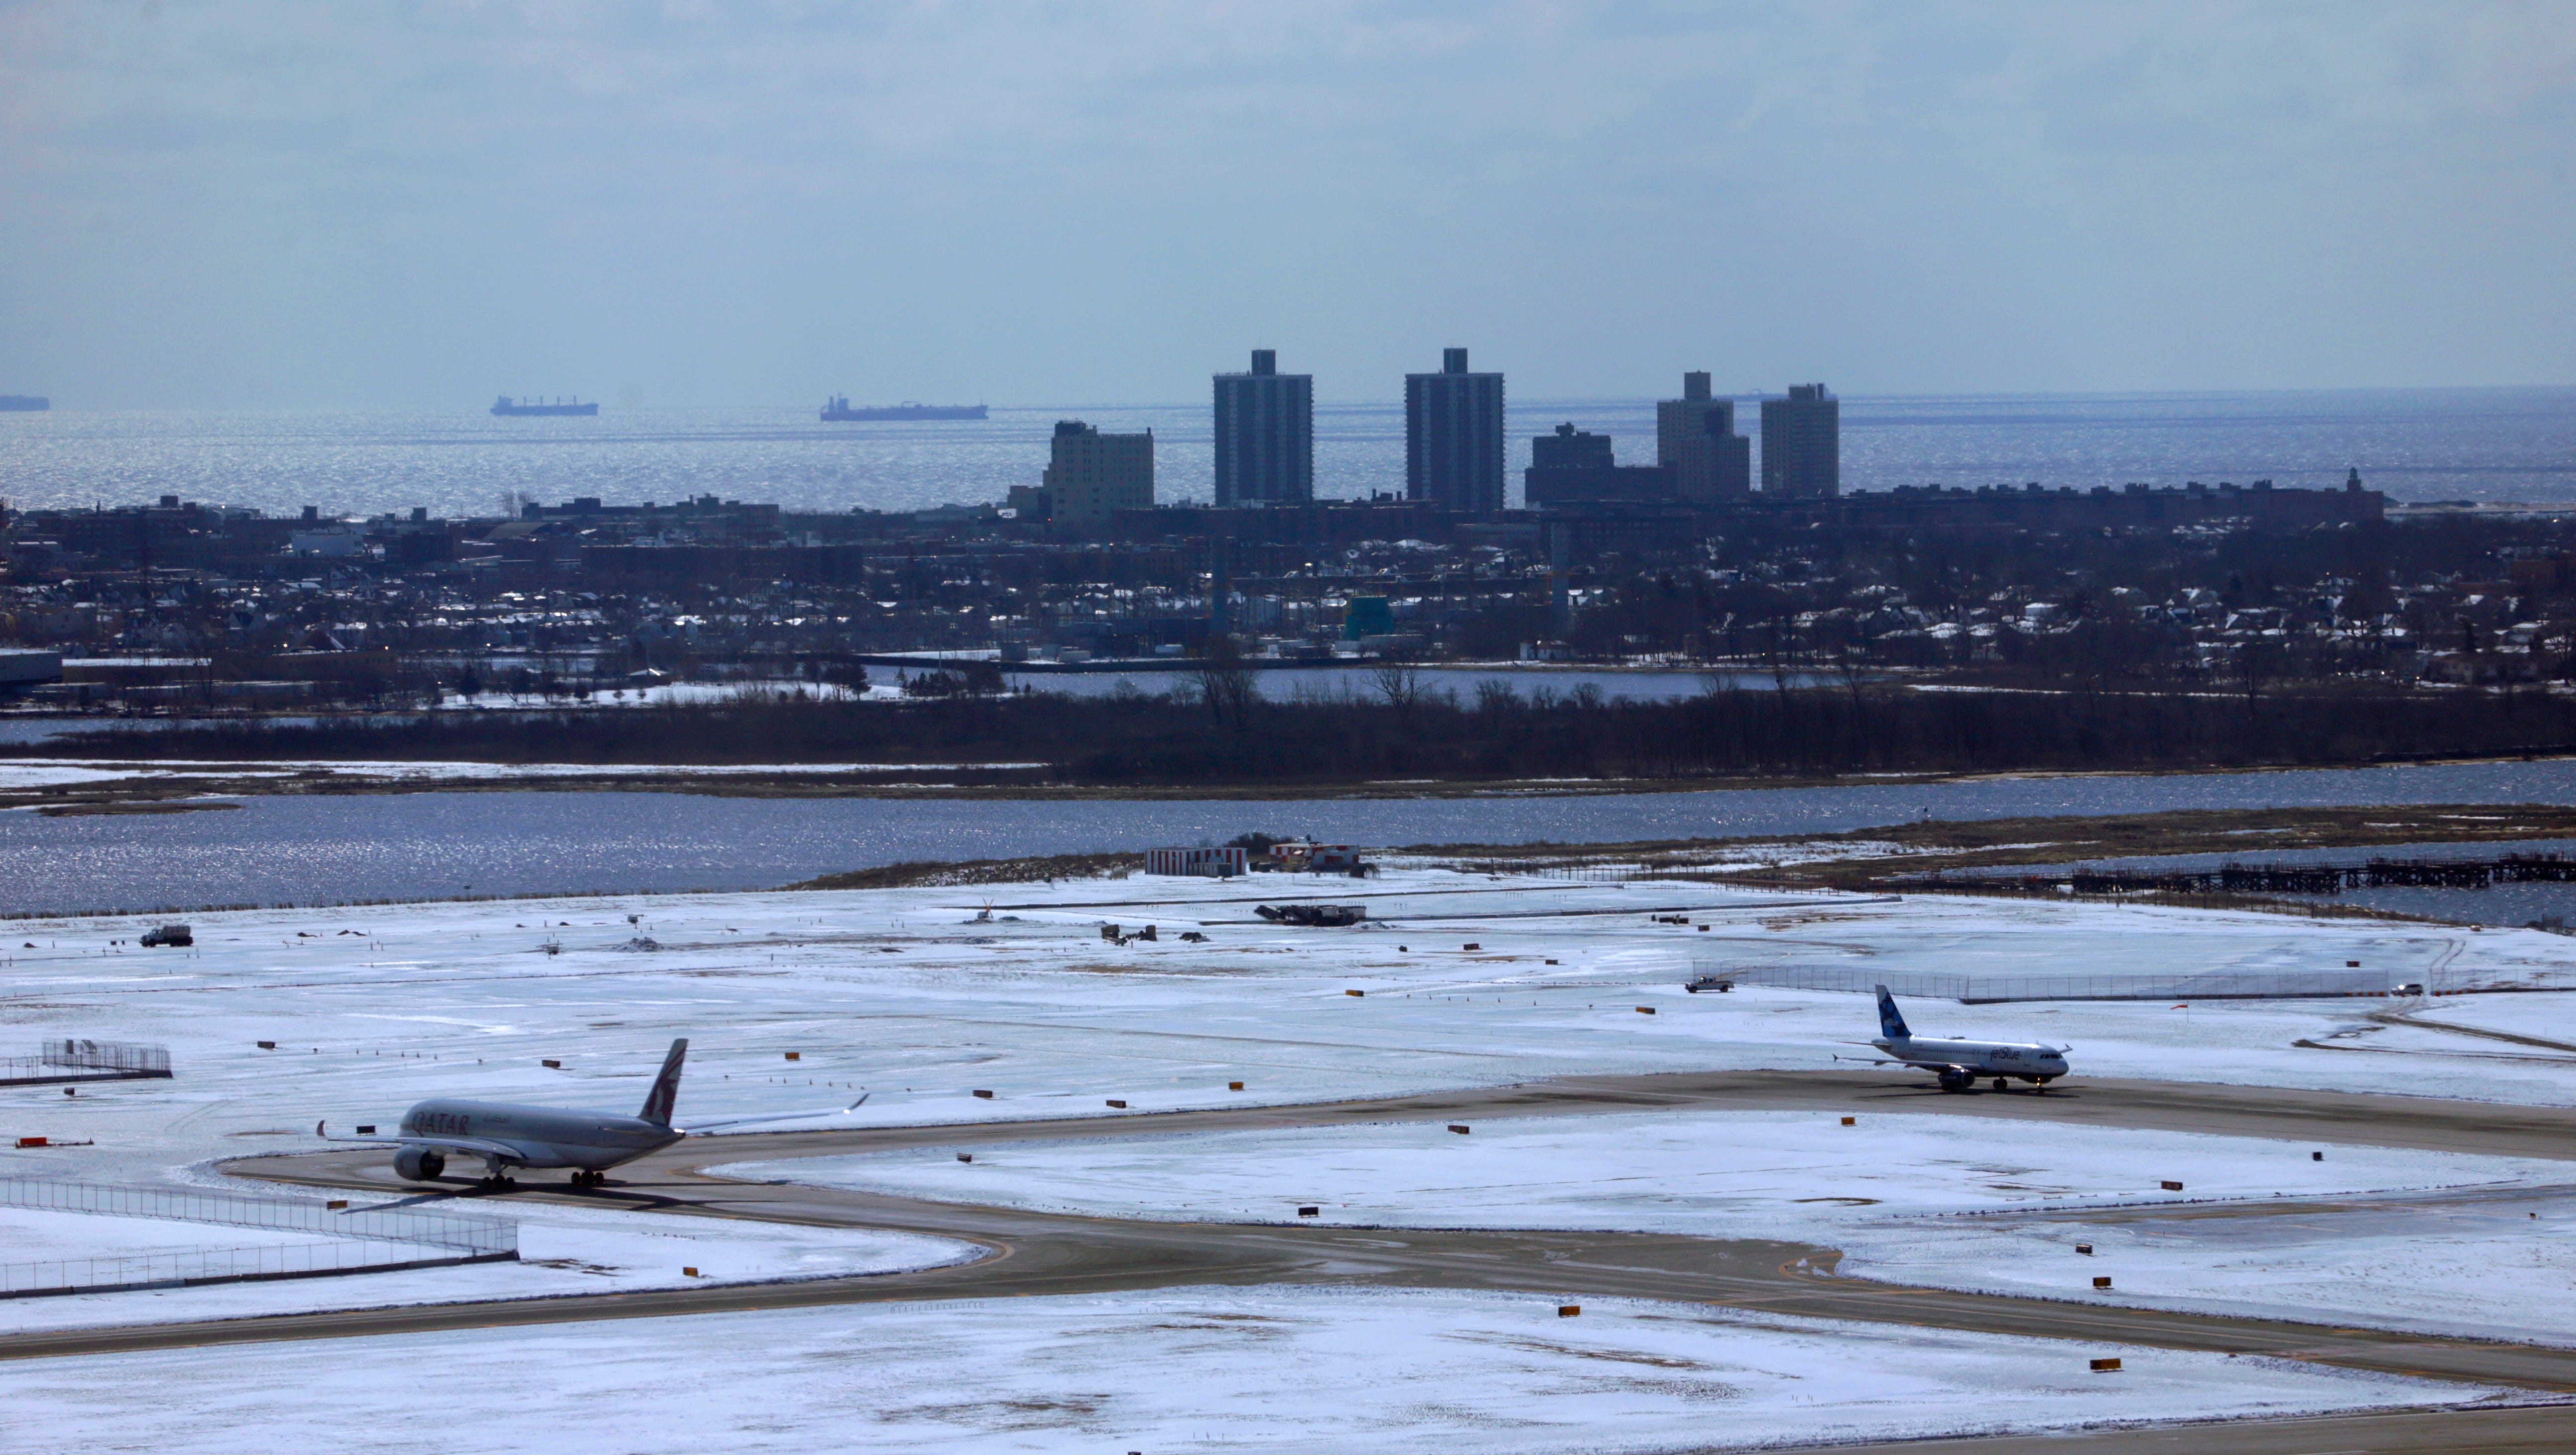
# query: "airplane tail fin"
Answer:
x=1889 y=1022
x=666 y=1087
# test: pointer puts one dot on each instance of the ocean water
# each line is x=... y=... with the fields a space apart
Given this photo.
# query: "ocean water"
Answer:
x=335 y=849
x=2483 y=444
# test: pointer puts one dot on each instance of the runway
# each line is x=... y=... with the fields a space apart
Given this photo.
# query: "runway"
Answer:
x=1040 y=1253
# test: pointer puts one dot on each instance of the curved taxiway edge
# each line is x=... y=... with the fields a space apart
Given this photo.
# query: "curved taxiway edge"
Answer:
x=1039 y=1253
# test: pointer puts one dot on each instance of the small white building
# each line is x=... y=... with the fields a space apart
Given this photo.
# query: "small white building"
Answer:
x=1203 y=863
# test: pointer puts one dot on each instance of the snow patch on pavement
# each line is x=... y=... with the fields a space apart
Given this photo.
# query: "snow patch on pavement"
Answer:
x=1707 y=1174
x=1285 y=1369
x=2452 y=1243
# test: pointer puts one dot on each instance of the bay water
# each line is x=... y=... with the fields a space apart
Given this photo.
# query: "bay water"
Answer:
x=341 y=849
x=2486 y=444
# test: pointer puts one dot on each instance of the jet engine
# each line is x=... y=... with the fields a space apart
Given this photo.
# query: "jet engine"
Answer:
x=419 y=1164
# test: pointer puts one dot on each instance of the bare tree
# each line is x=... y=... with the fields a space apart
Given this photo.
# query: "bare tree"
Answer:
x=1398 y=683
x=2257 y=663
x=1226 y=686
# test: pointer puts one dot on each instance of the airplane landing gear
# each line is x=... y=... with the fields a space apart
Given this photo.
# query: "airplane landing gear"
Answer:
x=2002 y=1085
x=585 y=1178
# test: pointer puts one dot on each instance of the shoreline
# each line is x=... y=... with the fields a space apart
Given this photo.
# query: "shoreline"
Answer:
x=146 y=786
x=1803 y=862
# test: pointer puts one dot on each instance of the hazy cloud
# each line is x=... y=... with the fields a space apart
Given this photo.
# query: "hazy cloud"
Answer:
x=421 y=204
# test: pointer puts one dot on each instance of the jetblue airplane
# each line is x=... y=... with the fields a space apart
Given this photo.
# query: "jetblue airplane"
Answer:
x=1960 y=1063
x=507 y=1136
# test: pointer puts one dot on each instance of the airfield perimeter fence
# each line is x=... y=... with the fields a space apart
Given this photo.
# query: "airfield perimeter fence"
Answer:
x=361 y=1240
x=84 y=1060
x=1591 y=872
x=1989 y=989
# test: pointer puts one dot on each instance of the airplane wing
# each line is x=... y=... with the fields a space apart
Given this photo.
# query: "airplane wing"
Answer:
x=467 y=1146
x=700 y=1129
x=1917 y=1065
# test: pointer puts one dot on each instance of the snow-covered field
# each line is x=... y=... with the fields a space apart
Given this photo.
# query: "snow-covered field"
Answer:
x=2542 y=1017
x=921 y=997
x=1234 y=1369
x=2471 y=1267
x=32 y=1235
x=1915 y=1199
x=562 y=1250
x=1709 y=1174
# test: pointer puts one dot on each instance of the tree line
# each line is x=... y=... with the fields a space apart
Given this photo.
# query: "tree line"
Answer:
x=1222 y=736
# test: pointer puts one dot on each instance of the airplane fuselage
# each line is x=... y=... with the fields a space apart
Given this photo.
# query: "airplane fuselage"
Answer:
x=1977 y=1058
x=539 y=1136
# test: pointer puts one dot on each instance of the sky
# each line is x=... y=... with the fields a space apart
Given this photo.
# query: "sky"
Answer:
x=349 y=205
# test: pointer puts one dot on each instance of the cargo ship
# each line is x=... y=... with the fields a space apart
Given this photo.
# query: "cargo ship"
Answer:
x=837 y=410
x=505 y=405
x=28 y=403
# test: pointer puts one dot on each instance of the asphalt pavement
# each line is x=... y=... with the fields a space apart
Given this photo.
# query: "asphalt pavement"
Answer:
x=1043 y=1253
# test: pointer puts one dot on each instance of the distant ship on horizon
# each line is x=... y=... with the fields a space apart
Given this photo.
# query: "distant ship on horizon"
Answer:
x=29 y=403
x=505 y=405
x=837 y=410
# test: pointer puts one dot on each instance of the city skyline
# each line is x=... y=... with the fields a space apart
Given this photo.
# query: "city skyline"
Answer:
x=1517 y=716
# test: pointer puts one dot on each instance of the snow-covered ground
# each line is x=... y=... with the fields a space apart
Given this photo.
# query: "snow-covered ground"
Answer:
x=1234 y=1369
x=2542 y=1017
x=1709 y=1174
x=885 y=686
x=920 y=997
x=33 y=1235
x=1917 y=1199
x=2470 y=1267
x=562 y=1250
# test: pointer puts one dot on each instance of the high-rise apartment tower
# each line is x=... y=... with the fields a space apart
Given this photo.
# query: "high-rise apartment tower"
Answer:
x=1265 y=435
x=1695 y=438
x=1092 y=474
x=1453 y=437
x=1802 y=443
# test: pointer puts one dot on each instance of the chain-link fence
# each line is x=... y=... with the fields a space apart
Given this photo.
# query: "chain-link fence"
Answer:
x=1597 y=873
x=178 y=1267
x=1978 y=989
x=370 y=1239
x=84 y=1060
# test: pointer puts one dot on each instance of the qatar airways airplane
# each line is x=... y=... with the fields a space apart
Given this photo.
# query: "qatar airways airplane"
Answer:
x=506 y=1136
